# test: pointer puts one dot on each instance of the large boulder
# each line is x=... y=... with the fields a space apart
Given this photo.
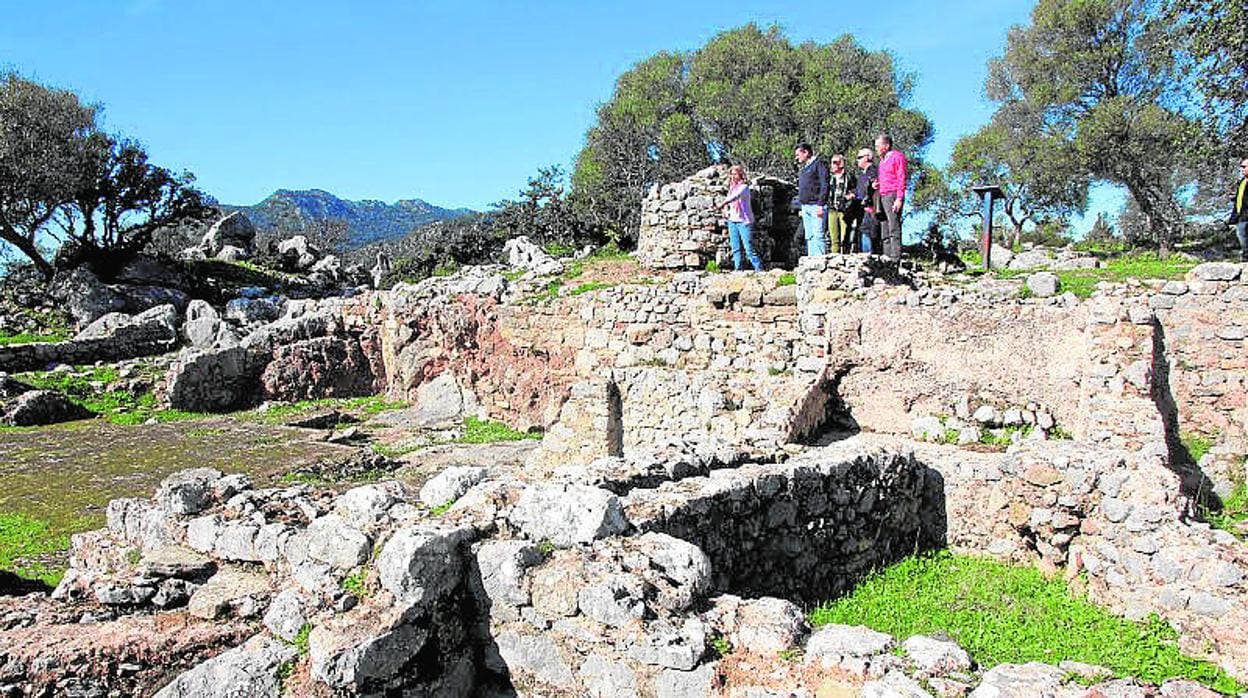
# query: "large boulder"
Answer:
x=441 y=403
x=36 y=407
x=253 y=670
x=235 y=229
x=568 y=515
x=212 y=380
x=158 y=324
x=202 y=324
x=297 y=254
x=522 y=253
x=86 y=297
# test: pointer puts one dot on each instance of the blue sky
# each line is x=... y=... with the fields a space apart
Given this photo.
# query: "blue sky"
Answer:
x=457 y=104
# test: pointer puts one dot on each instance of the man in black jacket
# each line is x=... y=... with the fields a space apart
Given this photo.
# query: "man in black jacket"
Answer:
x=812 y=196
x=868 y=224
x=1239 y=210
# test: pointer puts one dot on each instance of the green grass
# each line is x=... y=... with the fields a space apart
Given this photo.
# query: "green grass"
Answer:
x=300 y=643
x=373 y=404
x=23 y=539
x=558 y=249
x=96 y=389
x=1004 y=614
x=354 y=585
x=394 y=450
x=1234 y=511
x=1139 y=265
x=27 y=338
x=514 y=274
x=442 y=508
x=789 y=279
x=445 y=268
x=1197 y=445
x=711 y=266
x=587 y=287
x=485 y=431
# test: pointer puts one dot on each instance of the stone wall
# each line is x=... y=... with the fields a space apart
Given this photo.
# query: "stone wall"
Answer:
x=682 y=229
x=808 y=529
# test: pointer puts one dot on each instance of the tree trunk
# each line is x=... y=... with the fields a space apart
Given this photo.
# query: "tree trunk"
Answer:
x=1160 y=211
x=28 y=248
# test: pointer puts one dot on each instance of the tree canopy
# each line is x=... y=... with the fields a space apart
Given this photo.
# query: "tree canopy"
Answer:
x=1088 y=92
x=747 y=97
x=72 y=194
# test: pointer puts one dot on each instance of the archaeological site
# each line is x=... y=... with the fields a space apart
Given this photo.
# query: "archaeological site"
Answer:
x=719 y=453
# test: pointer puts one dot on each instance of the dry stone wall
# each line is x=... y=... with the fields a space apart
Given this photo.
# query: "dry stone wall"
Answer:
x=682 y=229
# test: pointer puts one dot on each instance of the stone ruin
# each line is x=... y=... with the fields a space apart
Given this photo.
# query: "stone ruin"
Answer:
x=719 y=451
x=682 y=229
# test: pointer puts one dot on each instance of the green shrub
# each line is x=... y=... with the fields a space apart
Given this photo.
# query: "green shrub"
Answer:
x=789 y=279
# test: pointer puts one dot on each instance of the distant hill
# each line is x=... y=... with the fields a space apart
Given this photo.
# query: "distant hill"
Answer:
x=367 y=220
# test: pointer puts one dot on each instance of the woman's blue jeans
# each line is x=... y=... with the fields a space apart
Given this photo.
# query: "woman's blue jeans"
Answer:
x=740 y=236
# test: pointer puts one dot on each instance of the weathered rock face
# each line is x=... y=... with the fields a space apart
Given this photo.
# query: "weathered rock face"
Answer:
x=297 y=254
x=318 y=368
x=682 y=229
x=325 y=349
x=113 y=337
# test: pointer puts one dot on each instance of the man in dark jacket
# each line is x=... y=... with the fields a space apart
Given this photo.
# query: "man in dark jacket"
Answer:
x=1239 y=210
x=868 y=225
x=812 y=196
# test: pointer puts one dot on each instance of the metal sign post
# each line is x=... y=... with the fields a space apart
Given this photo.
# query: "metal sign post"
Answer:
x=988 y=193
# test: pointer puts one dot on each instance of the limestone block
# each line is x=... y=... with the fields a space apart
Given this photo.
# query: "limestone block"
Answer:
x=330 y=539
x=187 y=491
x=935 y=657
x=450 y=484
x=253 y=669
x=422 y=562
x=567 y=515
x=537 y=656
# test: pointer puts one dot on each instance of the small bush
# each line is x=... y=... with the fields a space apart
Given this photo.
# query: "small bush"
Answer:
x=789 y=279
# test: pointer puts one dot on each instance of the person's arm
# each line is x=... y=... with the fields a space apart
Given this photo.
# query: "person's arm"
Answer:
x=733 y=197
x=901 y=175
x=851 y=185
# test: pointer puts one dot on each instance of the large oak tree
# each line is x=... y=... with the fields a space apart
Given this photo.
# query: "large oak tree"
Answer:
x=71 y=194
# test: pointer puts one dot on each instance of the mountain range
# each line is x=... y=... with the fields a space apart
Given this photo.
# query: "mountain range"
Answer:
x=367 y=220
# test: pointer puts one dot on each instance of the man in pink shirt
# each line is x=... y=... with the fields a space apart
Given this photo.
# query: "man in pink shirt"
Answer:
x=892 y=186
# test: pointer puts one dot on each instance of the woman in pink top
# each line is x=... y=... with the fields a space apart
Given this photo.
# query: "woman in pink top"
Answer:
x=740 y=217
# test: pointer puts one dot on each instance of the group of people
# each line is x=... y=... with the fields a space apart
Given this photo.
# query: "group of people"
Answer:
x=860 y=211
